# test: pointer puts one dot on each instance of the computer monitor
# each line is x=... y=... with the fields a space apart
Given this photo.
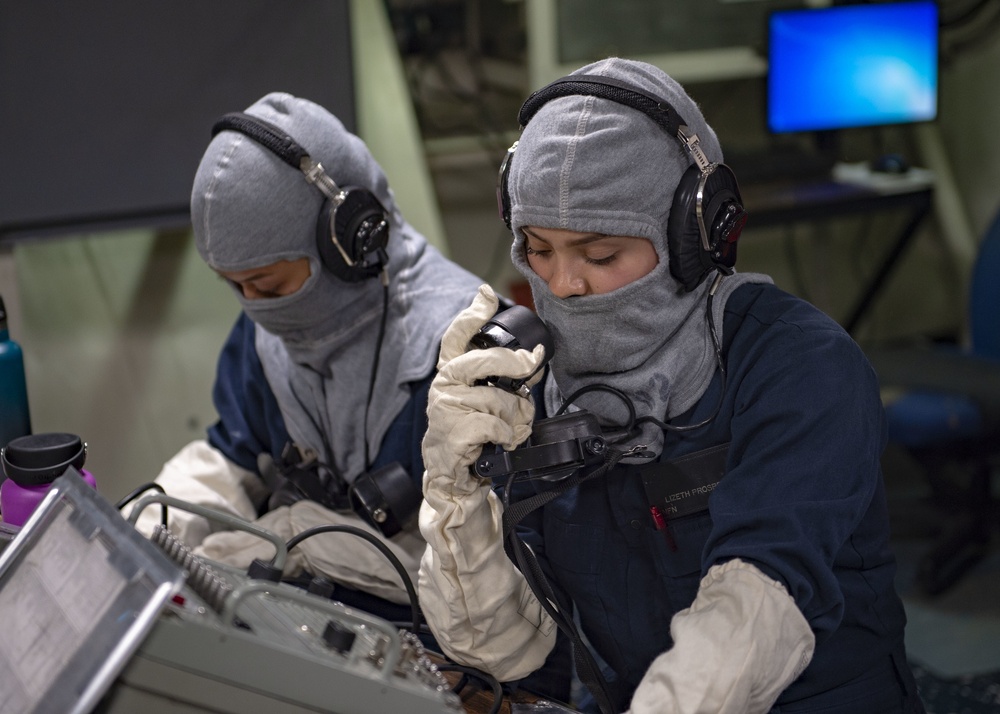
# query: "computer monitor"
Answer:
x=848 y=66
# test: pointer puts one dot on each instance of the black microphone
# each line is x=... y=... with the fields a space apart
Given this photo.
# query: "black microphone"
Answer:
x=515 y=328
x=558 y=446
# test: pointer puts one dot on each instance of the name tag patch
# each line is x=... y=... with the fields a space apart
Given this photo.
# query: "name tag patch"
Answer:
x=682 y=487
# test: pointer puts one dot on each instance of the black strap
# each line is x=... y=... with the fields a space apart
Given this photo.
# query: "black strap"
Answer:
x=514 y=513
x=659 y=110
x=292 y=478
x=587 y=669
x=265 y=133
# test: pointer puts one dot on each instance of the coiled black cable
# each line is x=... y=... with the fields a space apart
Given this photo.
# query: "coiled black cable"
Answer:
x=411 y=591
x=484 y=677
x=138 y=491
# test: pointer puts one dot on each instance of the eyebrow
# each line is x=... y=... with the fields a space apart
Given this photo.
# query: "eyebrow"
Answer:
x=582 y=240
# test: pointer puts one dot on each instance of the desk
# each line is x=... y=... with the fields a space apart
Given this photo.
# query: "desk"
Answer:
x=782 y=203
x=478 y=698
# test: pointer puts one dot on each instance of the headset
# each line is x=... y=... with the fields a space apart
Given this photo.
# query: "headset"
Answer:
x=707 y=214
x=352 y=229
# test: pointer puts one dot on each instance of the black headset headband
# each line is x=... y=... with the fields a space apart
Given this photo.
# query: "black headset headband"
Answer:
x=264 y=133
x=609 y=88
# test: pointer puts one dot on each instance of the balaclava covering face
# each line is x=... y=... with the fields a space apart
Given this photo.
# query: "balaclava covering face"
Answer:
x=594 y=165
x=250 y=209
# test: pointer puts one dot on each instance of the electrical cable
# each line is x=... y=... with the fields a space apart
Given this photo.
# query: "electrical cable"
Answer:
x=424 y=630
x=601 y=388
x=587 y=669
x=411 y=592
x=135 y=493
x=629 y=428
x=720 y=361
x=378 y=352
x=474 y=673
x=460 y=684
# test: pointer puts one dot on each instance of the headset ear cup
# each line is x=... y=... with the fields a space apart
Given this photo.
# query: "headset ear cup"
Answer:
x=724 y=219
x=684 y=250
x=723 y=216
x=328 y=253
x=503 y=193
x=362 y=229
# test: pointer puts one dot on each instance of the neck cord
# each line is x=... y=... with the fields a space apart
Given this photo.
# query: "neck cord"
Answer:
x=719 y=361
x=375 y=360
x=587 y=668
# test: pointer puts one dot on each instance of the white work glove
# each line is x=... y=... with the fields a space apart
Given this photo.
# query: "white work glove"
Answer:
x=464 y=415
x=342 y=557
x=201 y=475
x=738 y=646
x=477 y=604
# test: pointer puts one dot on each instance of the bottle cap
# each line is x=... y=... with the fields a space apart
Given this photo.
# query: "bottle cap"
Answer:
x=39 y=459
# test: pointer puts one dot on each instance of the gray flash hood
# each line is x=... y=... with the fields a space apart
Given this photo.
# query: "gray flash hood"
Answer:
x=594 y=165
x=317 y=346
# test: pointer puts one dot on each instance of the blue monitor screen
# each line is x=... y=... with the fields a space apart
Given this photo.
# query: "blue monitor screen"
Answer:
x=851 y=66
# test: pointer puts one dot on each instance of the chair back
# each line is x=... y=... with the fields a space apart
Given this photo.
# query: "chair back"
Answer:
x=984 y=295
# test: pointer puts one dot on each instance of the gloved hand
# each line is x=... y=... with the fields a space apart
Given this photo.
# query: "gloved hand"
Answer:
x=463 y=415
x=342 y=557
x=201 y=475
x=476 y=602
x=738 y=646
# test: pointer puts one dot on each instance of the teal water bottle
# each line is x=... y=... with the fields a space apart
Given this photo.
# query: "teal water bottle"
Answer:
x=15 y=419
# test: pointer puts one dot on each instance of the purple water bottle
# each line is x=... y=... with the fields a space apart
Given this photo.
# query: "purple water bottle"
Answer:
x=31 y=463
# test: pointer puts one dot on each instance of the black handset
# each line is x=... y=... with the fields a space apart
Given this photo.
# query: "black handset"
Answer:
x=517 y=327
x=559 y=445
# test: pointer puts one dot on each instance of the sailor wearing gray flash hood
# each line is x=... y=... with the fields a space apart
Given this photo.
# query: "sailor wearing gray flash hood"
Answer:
x=298 y=366
x=742 y=563
x=613 y=173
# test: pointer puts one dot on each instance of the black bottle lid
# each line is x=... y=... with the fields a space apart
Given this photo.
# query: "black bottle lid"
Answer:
x=39 y=459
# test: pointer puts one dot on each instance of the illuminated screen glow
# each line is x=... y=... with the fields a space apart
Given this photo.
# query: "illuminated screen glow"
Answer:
x=852 y=65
